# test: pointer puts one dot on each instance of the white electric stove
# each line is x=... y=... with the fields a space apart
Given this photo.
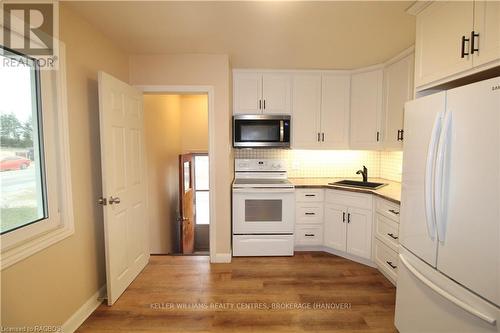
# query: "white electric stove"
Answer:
x=263 y=209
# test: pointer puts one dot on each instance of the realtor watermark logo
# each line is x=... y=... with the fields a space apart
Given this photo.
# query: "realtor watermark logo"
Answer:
x=31 y=28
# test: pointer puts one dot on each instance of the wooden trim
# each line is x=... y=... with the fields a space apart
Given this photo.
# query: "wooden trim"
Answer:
x=209 y=90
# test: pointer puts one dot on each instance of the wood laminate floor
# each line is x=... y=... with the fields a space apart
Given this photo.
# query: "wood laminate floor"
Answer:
x=310 y=292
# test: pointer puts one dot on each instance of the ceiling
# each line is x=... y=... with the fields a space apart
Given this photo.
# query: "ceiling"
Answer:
x=261 y=34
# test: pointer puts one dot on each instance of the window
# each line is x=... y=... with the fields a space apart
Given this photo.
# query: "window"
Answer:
x=201 y=176
x=35 y=179
x=22 y=177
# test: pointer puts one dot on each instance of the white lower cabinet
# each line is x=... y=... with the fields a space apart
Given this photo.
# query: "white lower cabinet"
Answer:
x=357 y=225
x=309 y=217
x=348 y=222
x=385 y=250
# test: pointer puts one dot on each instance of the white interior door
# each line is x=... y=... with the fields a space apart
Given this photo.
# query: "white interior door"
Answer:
x=123 y=183
x=468 y=197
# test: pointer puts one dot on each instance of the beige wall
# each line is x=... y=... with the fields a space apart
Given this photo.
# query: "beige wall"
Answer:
x=162 y=123
x=48 y=287
x=174 y=124
x=194 y=123
x=200 y=69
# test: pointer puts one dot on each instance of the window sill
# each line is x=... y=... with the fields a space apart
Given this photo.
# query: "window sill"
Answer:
x=28 y=248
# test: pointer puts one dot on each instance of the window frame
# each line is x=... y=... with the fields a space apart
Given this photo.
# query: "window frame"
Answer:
x=26 y=241
x=195 y=190
x=39 y=135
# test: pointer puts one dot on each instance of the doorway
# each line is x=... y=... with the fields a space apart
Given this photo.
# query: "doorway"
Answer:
x=176 y=127
x=194 y=196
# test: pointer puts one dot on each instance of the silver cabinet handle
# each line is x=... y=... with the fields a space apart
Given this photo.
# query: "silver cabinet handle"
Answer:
x=113 y=200
x=392 y=236
x=394 y=211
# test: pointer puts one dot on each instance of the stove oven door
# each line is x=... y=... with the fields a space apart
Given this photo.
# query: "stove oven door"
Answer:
x=263 y=210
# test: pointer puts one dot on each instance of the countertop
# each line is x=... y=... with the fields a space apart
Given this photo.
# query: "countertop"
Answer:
x=391 y=192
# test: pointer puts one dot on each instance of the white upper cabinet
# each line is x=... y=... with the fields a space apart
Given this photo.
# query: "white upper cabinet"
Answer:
x=276 y=94
x=398 y=89
x=335 y=104
x=247 y=93
x=306 y=110
x=454 y=39
x=438 y=50
x=366 y=109
x=256 y=93
x=487 y=28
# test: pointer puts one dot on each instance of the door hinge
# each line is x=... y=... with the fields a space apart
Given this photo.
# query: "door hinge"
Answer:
x=102 y=201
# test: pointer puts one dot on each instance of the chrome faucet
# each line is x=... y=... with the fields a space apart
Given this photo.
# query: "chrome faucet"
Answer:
x=364 y=173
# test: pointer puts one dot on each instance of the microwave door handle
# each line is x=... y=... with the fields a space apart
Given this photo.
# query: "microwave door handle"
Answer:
x=282 y=130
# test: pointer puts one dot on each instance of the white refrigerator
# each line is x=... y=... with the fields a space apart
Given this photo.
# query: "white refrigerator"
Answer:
x=449 y=262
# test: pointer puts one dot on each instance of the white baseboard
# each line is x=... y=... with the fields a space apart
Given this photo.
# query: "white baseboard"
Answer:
x=221 y=258
x=84 y=311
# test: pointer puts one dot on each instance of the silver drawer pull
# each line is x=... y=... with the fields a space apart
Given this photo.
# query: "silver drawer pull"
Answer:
x=309 y=213
x=390 y=264
x=309 y=235
x=394 y=211
x=310 y=195
x=392 y=236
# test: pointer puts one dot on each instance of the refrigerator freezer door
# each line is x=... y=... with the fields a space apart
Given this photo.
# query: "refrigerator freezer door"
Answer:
x=427 y=301
x=468 y=215
x=417 y=231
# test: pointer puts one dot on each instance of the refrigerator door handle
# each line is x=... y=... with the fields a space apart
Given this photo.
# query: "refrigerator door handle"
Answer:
x=443 y=293
x=439 y=183
x=429 y=176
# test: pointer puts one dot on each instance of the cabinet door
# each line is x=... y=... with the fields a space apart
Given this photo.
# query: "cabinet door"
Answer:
x=335 y=226
x=306 y=110
x=398 y=89
x=440 y=28
x=247 y=93
x=487 y=25
x=366 y=107
x=335 y=110
x=276 y=93
x=359 y=232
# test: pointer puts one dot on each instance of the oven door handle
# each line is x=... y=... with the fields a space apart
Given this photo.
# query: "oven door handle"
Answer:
x=263 y=190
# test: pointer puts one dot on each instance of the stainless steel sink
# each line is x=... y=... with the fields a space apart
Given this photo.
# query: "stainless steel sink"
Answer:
x=359 y=184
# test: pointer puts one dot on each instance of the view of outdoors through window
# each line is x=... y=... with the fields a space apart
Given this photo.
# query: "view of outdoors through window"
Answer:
x=201 y=189
x=22 y=200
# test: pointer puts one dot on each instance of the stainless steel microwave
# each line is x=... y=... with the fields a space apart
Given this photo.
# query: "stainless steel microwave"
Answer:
x=261 y=131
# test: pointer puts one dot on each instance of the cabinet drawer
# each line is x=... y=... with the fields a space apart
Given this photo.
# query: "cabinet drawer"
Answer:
x=308 y=234
x=309 y=195
x=387 y=231
x=388 y=209
x=309 y=212
x=386 y=259
x=350 y=199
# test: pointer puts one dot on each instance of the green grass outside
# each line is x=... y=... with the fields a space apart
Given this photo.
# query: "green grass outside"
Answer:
x=14 y=217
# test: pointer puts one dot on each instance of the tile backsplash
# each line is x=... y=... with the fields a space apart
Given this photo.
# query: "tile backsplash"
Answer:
x=331 y=163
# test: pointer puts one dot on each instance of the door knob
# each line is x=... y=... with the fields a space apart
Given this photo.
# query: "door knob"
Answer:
x=113 y=200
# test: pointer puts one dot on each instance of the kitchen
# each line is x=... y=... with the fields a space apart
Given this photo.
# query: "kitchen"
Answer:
x=344 y=155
